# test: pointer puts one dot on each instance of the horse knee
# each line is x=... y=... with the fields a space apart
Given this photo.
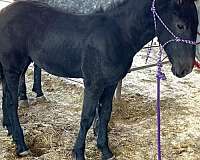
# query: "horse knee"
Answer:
x=86 y=122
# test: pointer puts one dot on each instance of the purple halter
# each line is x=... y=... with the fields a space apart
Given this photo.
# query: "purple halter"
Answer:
x=160 y=75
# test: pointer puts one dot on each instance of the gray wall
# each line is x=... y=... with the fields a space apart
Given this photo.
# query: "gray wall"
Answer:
x=79 y=6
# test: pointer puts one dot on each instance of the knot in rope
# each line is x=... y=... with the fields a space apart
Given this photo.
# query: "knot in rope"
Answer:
x=177 y=39
x=161 y=75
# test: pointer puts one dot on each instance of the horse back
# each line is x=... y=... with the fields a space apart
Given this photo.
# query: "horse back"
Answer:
x=64 y=44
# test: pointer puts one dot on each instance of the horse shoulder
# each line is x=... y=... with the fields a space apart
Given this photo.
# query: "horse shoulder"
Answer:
x=104 y=56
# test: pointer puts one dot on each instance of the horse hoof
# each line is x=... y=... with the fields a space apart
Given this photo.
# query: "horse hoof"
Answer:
x=25 y=153
x=23 y=104
x=9 y=134
x=112 y=158
x=108 y=156
x=41 y=99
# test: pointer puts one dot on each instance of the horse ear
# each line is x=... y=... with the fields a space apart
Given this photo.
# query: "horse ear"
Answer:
x=179 y=2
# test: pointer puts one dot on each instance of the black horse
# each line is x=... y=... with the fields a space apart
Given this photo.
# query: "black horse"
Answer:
x=98 y=47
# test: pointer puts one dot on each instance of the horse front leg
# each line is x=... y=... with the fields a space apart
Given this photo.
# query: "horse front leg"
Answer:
x=11 y=89
x=104 y=117
x=37 y=87
x=6 y=120
x=91 y=98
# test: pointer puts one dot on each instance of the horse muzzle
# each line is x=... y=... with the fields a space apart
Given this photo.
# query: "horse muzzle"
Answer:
x=182 y=71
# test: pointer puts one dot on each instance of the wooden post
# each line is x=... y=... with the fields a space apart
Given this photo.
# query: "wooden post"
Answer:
x=118 y=91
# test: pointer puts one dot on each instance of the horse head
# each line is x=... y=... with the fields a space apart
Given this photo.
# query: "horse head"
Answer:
x=181 y=19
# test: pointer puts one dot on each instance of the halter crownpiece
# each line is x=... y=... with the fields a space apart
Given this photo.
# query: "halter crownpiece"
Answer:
x=176 y=38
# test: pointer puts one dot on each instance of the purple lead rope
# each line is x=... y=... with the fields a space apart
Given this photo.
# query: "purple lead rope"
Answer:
x=158 y=119
x=161 y=76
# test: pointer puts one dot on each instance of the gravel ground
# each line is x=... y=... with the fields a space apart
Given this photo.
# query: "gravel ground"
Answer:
x=51 y=126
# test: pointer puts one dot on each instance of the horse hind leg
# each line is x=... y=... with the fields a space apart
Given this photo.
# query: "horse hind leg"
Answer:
x=95 y=125
x=22 y=92
x=37 y=86
x=104 y=117
x=23 y=100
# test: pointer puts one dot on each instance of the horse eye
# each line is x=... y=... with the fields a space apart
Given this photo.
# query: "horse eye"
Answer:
x=180 y=27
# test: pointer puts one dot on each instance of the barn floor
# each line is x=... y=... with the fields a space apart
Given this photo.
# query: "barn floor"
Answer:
x=51 y=125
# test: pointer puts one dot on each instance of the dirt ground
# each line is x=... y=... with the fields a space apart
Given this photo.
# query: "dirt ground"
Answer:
x=51 y=125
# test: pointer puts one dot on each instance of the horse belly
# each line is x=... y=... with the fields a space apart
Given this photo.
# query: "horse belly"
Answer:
x=59 y=64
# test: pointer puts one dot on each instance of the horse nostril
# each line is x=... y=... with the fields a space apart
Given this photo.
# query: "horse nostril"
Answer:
x=184 y=73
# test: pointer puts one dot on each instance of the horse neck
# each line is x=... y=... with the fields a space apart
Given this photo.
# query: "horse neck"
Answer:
x=136 y=22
